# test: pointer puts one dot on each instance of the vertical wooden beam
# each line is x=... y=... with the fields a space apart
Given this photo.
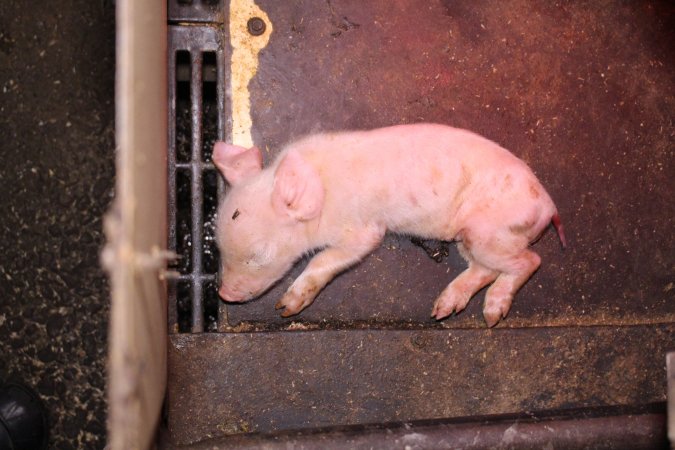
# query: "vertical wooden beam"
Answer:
x=135 y=255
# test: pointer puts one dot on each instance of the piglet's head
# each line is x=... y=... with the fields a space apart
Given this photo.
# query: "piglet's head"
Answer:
x=263 y=220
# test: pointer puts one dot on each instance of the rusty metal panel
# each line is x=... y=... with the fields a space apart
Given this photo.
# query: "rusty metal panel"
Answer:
x=262 y=382
x=583 y=94
x=615 y=428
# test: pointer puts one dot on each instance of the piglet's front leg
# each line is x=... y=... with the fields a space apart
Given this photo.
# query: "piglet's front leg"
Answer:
x=323 y=267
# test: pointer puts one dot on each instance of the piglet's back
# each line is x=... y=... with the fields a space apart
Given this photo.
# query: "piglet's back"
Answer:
x=413 y=178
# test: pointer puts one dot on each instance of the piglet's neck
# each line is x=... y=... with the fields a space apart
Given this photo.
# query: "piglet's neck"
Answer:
x=312 y=233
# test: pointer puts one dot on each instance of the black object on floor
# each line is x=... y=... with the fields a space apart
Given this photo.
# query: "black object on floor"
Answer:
x=23 y=419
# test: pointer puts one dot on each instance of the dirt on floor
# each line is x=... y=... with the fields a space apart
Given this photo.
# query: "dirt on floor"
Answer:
x=57 y=71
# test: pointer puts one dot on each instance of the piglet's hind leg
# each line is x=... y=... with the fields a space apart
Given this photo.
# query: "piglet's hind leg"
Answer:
x=457 y=294
x=515 y=272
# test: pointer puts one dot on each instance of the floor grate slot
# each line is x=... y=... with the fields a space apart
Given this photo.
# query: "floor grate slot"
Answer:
x=199 y=11
x=196 y=121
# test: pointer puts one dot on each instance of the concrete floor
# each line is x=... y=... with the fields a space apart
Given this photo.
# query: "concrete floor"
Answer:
x=57 y=141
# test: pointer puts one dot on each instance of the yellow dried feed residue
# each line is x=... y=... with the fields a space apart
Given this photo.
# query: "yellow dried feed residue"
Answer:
x=244 y=65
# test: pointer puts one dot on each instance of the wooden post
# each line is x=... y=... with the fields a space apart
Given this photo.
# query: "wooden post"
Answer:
x=135 y=255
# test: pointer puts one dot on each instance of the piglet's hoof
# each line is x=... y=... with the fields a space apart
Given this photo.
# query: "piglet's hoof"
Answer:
x=292 y=303
x=494 y=314
x=287 y=312
x=23 y=419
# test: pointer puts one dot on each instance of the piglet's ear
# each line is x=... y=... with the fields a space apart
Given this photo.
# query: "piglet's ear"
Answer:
x=236 y=163
x=298 y=190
